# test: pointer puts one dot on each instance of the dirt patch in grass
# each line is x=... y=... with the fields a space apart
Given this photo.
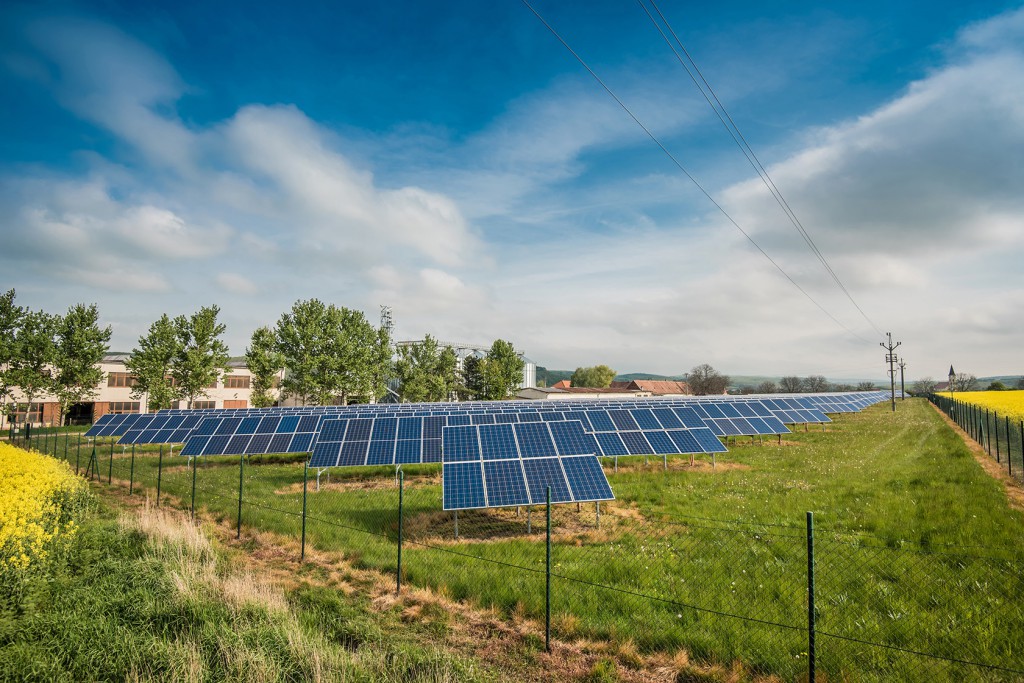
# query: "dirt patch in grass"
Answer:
x=377 y=483
x=1013 y=489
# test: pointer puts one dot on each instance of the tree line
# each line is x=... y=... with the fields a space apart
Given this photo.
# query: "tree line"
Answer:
x=316 y=353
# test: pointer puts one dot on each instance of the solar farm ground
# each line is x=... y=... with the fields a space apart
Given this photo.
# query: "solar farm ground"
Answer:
x=916 y=547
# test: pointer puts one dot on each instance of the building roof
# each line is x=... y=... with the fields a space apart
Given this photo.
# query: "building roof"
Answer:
x=659 y=387
x=562 y=384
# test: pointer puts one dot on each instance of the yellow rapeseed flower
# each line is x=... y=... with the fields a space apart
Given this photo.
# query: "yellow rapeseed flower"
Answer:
x=1006 y=403
x=38 y=497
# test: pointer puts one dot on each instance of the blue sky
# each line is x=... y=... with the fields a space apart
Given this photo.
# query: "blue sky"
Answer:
x=456 y=163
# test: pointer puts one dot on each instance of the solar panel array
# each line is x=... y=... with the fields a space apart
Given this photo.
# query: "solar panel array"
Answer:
x=378 y=441
x=253 y=435
x=503 y=464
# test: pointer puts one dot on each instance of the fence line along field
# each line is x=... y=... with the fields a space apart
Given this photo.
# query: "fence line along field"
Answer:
x=917 y=551
x=1008 y=403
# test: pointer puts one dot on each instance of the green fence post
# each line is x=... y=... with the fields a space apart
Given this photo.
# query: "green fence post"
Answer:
x=78 y=454
x=995 y=421
x=1009 y=448
x=547 y=586
x=94 y=465
x=131 y=476
x=67 y=435
x=401 y=490
x=46 y=442
x=987 y=429
x=305 y=485
x=110 y=467
x=192 y=505
x=159 y=473
x=241 y=469
x=811 y=654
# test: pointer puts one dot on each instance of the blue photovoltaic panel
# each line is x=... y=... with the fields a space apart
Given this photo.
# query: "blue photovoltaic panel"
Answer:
x=228 y=425
x=461 y=443
x=685 y=441
x=308 y=423
x=744 y=410
x=712 y=410
x=249 y=425
x=458 y=420
x=611 y=443
x=432 y=450
x=332 y=430
x=268 y=425
x=601 y=421
x=507 y=418
x=708 y=441
x=726 y=426
x=359 y=429
x=728 y=409
x=279 y=443
x=407 y=451
x=623 y=420
x=482 y=419
x=498 y=442
x=690 y=417
x=288 y=424
x=410 y=427
x=746 y=429
x=534 y=440
x=660 y=442
x=552 y=416
x=544 y=472
x=586 y=479
x=195 y=445
x=385 y=429
x=325 y=455
x=506 y=483
x=529 y=416
x=667 y=418
x=571 y=439
x=645 y=419
x=463 y=486
x=301 y=443
x=382 y=452
x=432 y=427
x=216 y=445
x=636 y=444
x=759 y=425
x=238 y=443
x=207 y=427
x=775 y=425
x=99 y=424
x=353 y=453
x=259 y=444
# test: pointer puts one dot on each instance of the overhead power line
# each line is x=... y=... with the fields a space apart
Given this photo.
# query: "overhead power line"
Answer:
x=679 y=165
x=737 y=137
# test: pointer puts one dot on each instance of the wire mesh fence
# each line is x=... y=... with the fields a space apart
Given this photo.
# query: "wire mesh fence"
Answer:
x=746 y=596
x=1001 y=436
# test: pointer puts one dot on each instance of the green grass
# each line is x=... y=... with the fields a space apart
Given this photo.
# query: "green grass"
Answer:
x=156 y=601
x=916 y=548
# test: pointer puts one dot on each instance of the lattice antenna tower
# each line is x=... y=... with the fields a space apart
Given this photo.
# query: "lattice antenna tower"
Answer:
x=387 y=322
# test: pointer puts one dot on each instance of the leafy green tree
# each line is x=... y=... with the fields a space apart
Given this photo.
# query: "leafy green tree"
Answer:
x=264 y=362
x=382 y=367
x=866 y=386
x=472 y=378
x=79 y=349
x=502 y=371
x=10 y=320
x=596 y=376
x=202 y=357
x=151 y=362
x=34 y=350
x=996 y=386
x=426 y=371
x=704 y=380
x=355 y=354
x=306 y=340
x=1019 y=384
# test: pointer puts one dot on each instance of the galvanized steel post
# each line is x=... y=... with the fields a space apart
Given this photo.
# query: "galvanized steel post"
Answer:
x=401 y=489
x=241 y=472
x=811 y=654
x=547 y=587
x=192 y=505
x=131 y=476
x=110 y=467
x=305 y=485
x=159 y=473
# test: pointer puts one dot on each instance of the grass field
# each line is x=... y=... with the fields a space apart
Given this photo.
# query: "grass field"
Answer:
x=916 y=548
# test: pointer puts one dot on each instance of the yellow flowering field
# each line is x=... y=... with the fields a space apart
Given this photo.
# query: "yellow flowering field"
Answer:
x=1010 y=403
x=39 y=499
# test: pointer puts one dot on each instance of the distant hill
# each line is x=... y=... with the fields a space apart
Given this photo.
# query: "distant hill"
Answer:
x=547 y=377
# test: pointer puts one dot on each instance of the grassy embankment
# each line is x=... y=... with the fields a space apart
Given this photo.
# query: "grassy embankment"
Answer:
x=916 y=547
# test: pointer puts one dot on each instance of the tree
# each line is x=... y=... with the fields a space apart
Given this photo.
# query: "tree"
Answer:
x=1019 y=384
x=964 y=381
x=264 y=362
x=704 y=380
x=10 y=320
x=596 y=376
x=34 y=350
x=924 y=386
x=79 y=349
x=473 y=377
x=382 y=367
x=150 y=365
x=502 y=370
x=865 y=386
x=426 y=371
x=842 y=388
x=996 y=386
x=815 y=384
x=354 y=351
x=767 y=387
x=306 y=339
x=202 y=357
x=791 y=384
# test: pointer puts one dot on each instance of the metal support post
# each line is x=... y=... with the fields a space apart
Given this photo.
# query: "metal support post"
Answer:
x=995 y=421
x=67 y=435
x=547 y=587
x=456 y=525
x=241 y=473
x=159 y=474
x=192 y=504
x=811 y=663
x=529 y=520
x=401 y=489
x=597 y=509
x=78 y=453
x=110 y=467
x=131 y=476
x=305 y=487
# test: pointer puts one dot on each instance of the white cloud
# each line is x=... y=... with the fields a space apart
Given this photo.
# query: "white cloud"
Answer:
x=237 y=284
